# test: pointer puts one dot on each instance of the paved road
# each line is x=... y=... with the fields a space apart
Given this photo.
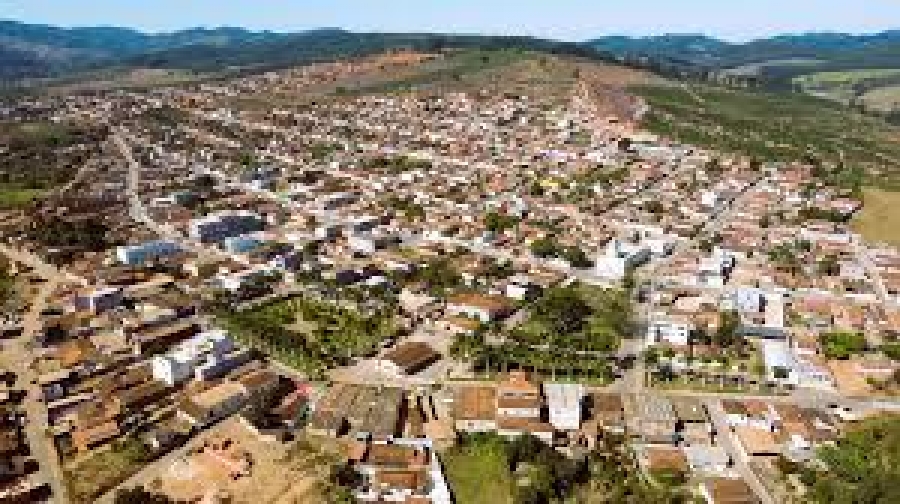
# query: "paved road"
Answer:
x=727 y=439
x=17 y=358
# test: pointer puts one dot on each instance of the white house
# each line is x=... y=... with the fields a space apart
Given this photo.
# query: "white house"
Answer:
x=619 y=257
x=564 y=401
x=785 y=367
x=669 y=329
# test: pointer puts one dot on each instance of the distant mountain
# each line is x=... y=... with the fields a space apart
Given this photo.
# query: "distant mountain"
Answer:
x=29 y=50
x=831 y=51
x=34 y=51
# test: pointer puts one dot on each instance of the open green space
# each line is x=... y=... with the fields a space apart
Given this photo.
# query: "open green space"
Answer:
x=863 y=467
x=846 y=77
x=488 y=469
x=11 y=198
x=308 y=335
x=567 y=334
x=478 y=472
x=775 y=127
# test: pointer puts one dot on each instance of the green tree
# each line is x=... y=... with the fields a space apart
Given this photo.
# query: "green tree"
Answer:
x=863 y=467
x=842 y=344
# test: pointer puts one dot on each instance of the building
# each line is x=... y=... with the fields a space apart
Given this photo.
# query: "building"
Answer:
x=223 y=399
x=205 y=356
x=486 y=308
x=520 y=408
x=360 y=411
x=401 y=470
x=136 y=255
x=564 y=403
x=669 y=329
x=475 y=409
x=215 y=228
x=619 y=258
x=99 y=300
x=408 y=358
x=727 y=491
x=785 y=367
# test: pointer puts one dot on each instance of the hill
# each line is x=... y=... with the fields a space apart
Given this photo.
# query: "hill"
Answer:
x=38 y=51
x=702 y=52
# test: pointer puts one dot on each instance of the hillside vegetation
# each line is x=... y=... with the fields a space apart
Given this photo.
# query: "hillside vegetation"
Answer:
x=775 y=127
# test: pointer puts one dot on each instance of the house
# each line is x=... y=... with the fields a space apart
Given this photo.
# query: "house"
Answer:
x=520 y=408
x=748 y=412
x=212 y=404
x=225 y=398
x=401 y=470
x=360 y=411
x=408 y=358
x=475 y=409
x=756 y=441
x=95 y=421
x=564 y=403
x=707 y=459
x=486 y=308
x=652 y=419
x=619 y=258
x=607 y=410
x=727 y=491
x=663 y=459
x=99 y=300
x=670 y=329
x=785 y=367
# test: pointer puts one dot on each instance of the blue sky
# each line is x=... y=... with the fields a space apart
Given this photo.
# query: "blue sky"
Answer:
x=561 y=19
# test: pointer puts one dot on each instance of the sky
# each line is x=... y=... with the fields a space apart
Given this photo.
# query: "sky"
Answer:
x=573 y=20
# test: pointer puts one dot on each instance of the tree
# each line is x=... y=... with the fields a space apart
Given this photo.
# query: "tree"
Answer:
x=829 y=266
x=544 y=248
x=498 y=223
x=726 y=335
x=140 y=496
x=863 y=467
x=562 y=310
x=576 y=257
x=842 y=344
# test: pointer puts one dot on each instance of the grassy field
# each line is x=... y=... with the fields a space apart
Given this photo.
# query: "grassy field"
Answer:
x=478 y=474
x=846 y=77
x=88 y=478
x=884 y=99
x=879 y=220
x=17 y=198
x=782 y=127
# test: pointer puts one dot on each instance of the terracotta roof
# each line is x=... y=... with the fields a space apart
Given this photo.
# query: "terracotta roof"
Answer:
x=483 y=301
x=475 y=403
x=729 y=491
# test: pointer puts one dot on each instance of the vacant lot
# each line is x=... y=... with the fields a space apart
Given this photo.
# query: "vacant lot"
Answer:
x=884 y=99
x=479 y=474
x=94 y=475
x=879 y=220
